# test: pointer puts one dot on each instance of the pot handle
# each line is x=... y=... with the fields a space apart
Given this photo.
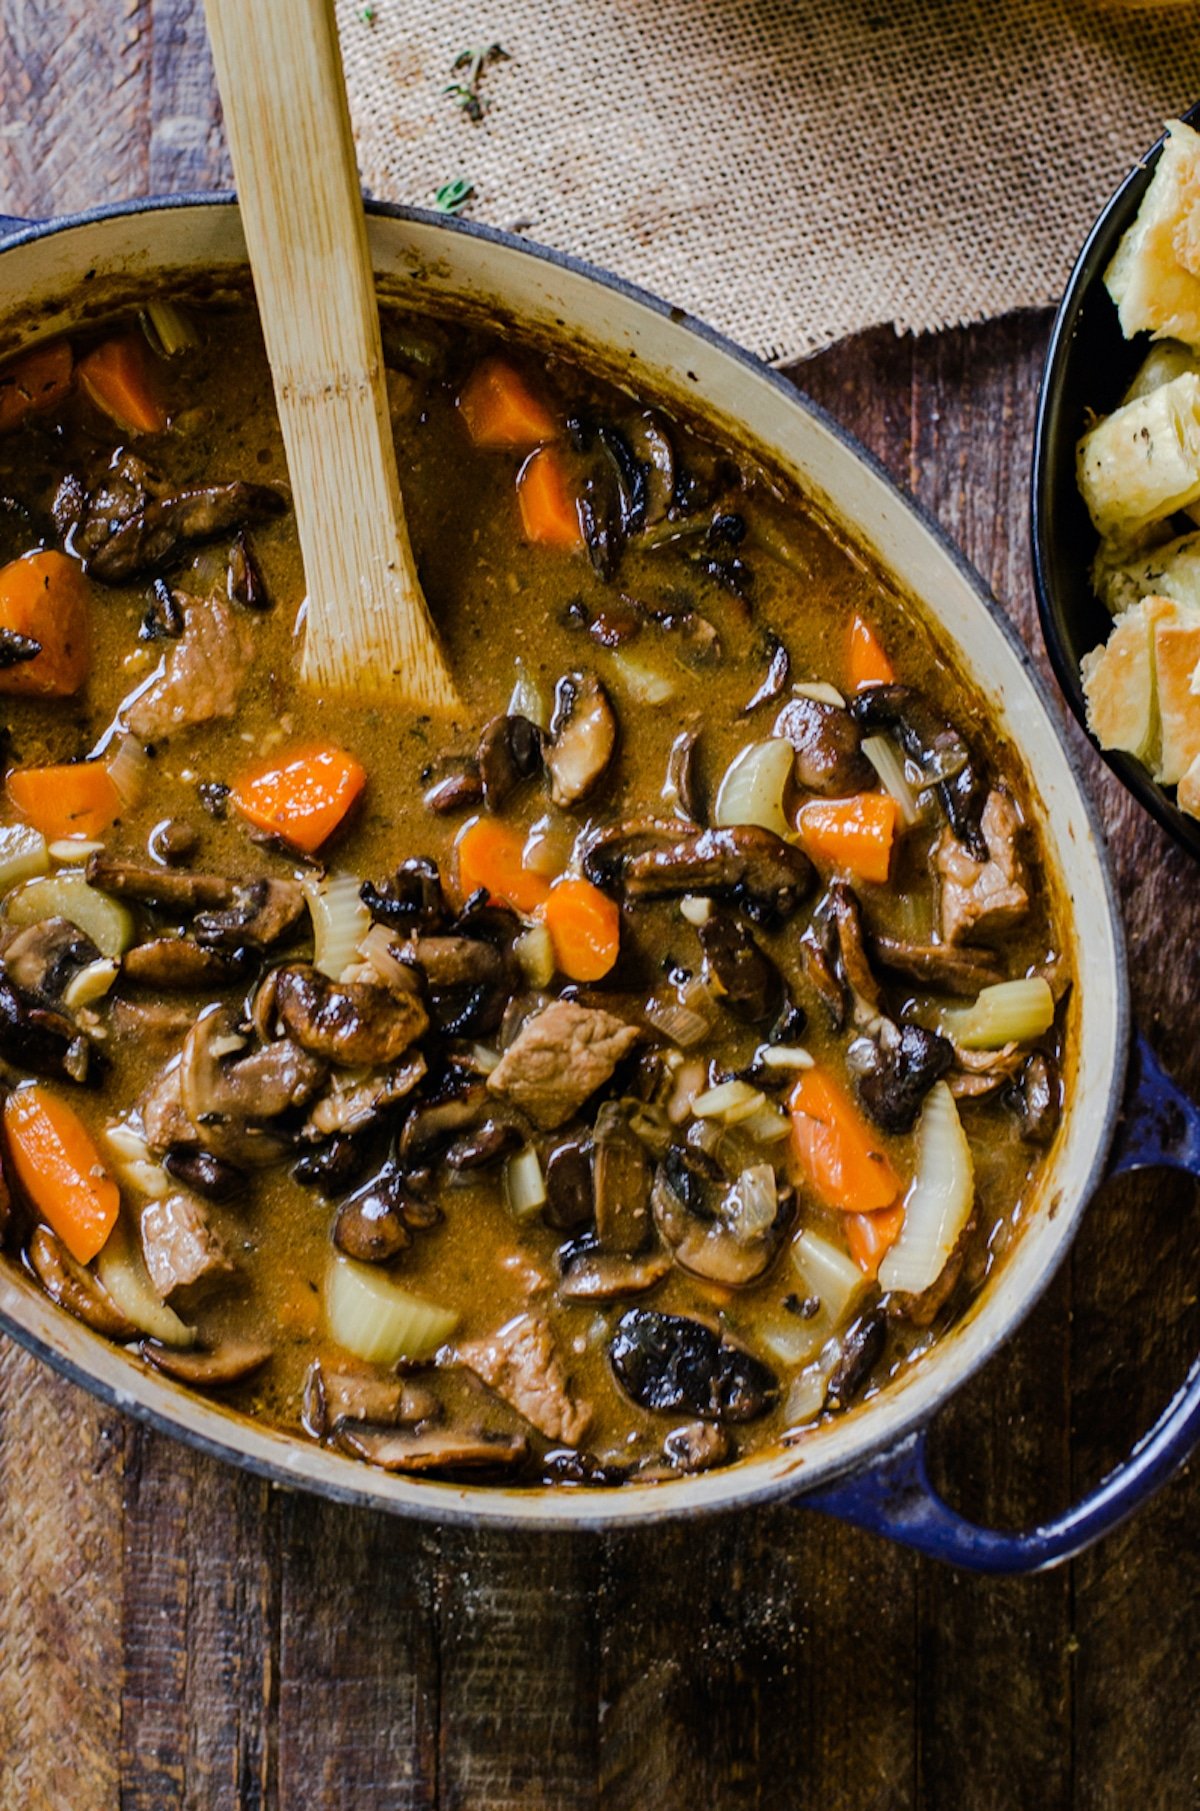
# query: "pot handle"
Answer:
x=1159 y=1129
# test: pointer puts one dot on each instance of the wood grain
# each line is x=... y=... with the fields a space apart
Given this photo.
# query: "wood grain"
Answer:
x=206 y=1643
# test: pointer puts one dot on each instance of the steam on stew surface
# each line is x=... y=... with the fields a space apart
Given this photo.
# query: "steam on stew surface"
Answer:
x=609 y=1084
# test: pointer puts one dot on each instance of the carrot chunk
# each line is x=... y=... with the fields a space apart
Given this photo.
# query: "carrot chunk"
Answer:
x=585 y=929
x=116 y=376
x=549 y=511
x=302 y=796
x=76 y=798
x=853 y=835
x=490 y=855
x=869 y=1236
x=838 y=1154
x=60 y=1169
x=35 y=381
x=46 y=598
x=867 y=662
x=500 y=410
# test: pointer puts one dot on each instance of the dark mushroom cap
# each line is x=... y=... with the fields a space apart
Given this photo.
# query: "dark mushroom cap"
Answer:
x=671 y=1364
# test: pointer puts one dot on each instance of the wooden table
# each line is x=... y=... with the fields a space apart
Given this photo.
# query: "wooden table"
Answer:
x=176 y=1634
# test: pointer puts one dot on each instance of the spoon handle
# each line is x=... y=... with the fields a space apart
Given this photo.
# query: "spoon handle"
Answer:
x=279 y=71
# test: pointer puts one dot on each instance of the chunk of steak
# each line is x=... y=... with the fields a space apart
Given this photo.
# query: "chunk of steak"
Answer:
x=559 y=1058
x=201 y=674
x=164 y=1120
x=982 y=898
x=180 y=1248
x=520 y=1363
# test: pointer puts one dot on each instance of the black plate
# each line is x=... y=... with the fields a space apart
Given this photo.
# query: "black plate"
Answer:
x=1089 y=364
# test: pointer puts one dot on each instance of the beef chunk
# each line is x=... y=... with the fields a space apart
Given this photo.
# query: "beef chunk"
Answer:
x=983 y=898
x=201 y=676
x=559 y=1058
x=520 y=1363
x=180 y=1248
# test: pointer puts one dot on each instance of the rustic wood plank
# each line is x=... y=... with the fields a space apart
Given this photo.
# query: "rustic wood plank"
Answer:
x=358 y=1661
x=200 y=1633
x=61 y=1464
x=518 y=1685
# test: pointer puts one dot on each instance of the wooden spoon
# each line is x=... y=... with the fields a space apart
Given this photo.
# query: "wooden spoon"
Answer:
x=279 y=69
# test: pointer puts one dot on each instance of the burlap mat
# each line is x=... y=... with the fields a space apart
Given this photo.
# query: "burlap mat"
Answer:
x=792 y=170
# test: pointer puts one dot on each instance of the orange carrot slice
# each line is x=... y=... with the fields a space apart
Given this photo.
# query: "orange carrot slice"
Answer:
x=301 y=796
x=46 y=597
x=549 y=511
x=867 y=662
x=35 y=381
x=500 y=410
x=490 y=855
x=60 y=1169
x=585 y=929
x=869 y=1236
x=116 y=376
x=77 y=798
x=838 y=1153
x=853 y=835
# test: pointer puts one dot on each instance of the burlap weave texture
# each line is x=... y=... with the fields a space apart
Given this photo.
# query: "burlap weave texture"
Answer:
x=791 y=171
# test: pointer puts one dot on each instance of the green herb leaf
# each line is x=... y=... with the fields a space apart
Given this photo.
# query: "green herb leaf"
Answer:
x=453 y=197
x=465 y=93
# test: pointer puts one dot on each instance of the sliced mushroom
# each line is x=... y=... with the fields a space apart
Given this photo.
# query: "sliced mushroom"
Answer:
x=681 y=791
x=583 y=738
x=181 y=964
x=670 y=1364
x=204 y=1173
x=260 y=913
x=702 y=1239
x=174 y=842
x=157 y=534
x=332 y=1166
x=961 y=968
x=753 y=867
x=978 y=1074
x=211 y=1367
x=620 y=1183
x=42 y=1041
x=244 y=581
x=332 y=1397
x=455 y=961
x=350 y=1107
x=569 y=1184
x=938 y=748
x=16 y=648
x=828 y=745
x=747 y=982
x=835 y=958
x=434 y=1449
x=371 y=1223
x=861 y=1349
x=42 y=958
x=434 y=1123
x=230 y=1089
x=487 y=1144
x=592 y=1275
x=1036 y=1098
x=779 y=666
x=510 y=750
x=908 y=1061
x=411 y=900
x=452 y=784
x=171 y=890
x=75 y=1288
x=351 y=1022
x=698 y=1446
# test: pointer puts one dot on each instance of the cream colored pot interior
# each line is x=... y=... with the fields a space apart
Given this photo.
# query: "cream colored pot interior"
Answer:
x=47 y=283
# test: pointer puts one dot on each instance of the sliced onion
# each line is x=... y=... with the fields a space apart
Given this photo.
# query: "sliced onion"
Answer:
x=783 y=1056
x=376 y=1320
x=679 y=1023
x=689 y=1082
x=641 y=682
x=534 y=951
x=888 y=763
x=376 y=949
x=729 y=1102
x=528 y=700
x=750 y=1206
x=753 y=788
x=806 y=1395
x=340 y=922
x=106 y=921
x=122 y=1270
x=524 y=1183
x=695 y=909
x=770 y=1125
x=938 y=1204
x=129 y=769
x=1012 y=1012
x=168 y=329
x=90 y=984
x=794 y=1341
x=70 y=849
x=821 y=691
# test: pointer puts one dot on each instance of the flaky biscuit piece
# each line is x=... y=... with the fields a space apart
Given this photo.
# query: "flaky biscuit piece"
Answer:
x=1154 y=279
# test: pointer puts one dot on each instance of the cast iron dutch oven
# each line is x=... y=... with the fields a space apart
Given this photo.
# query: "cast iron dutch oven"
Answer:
x=1122 y=1113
